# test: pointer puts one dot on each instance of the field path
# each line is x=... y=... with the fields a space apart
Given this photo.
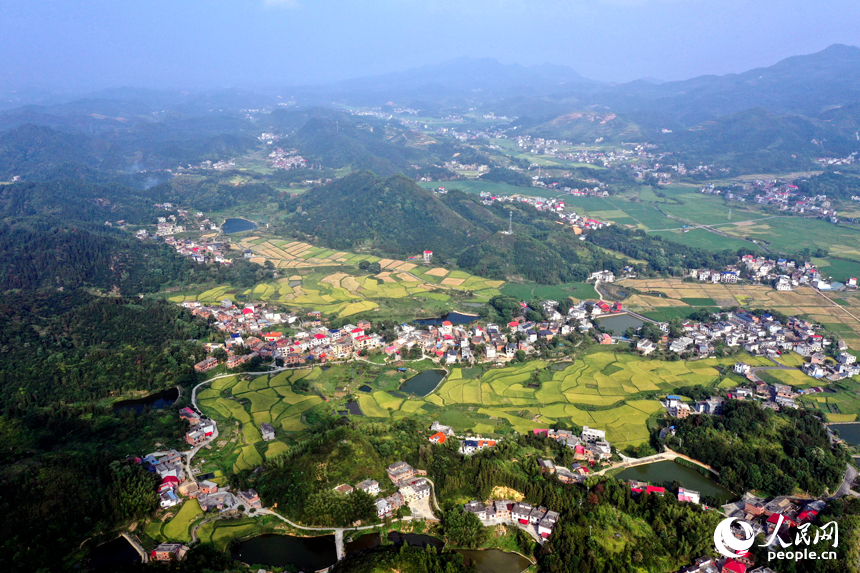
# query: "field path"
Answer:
x=668 y=455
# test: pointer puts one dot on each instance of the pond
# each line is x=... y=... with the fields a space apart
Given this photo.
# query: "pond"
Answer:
x=365 y=388
x=237 y=226
x=486 y=561
x=372 y=540
x=305 y=553
x=494 y=560
x=618 y=323
x=848 y=432
x=354 y=408
x=665 y=472
x=111 y=555
x=452 y=317
x=423 y=383
x=158 y=401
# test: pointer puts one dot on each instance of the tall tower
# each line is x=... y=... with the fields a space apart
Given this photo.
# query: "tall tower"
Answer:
x=510 y=230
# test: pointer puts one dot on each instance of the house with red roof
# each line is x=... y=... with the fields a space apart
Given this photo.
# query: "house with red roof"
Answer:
x=732 y=566
x=438 y=438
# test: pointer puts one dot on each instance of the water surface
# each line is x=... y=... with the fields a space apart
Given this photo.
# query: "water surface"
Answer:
x=305 y=553
x=617 y=324
x=423 y=383
x=849 y=432
x=110 y=555
x=494 y=560
x=237 y=226
x=665 y=472
x=157 y=401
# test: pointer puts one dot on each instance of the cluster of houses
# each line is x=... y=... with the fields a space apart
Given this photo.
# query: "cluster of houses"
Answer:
x=590 y=446
x=176 y=484
x=495 y=512
x=252 y=327
x=411 y=487
x=760 y=335
x=449 y=343
x=410 y=483
x=201 y=251
x=779 y=517
x=782 y=194
x=286 y=159
x=170 y=470
x=684 y=494
x=200 y=430
x=785 y=274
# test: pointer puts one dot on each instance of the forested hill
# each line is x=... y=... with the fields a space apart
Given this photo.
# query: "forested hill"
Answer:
x=38 y=255
x=75 y=347
x=396 y=217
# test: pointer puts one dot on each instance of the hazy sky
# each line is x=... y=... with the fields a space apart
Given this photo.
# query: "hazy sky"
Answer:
x=85 y=44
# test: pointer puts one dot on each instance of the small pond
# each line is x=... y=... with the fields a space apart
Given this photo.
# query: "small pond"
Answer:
x=354 y=408
x=423 y=383
x=237 y=226
x=618 y=323
x=305 y=553
x=110 y=555
x=372 y=540
x=157 y=401
x=365 y=388
x=665 y=472
x=487 y=561
x=452 y=317
x=494 y=561
x=849 y=432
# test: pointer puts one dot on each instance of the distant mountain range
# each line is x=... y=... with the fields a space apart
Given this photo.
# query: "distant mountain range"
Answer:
x=778 y=116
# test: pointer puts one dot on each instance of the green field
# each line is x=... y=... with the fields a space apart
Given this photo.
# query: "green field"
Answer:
x=178 y=528
x=528 y=291
x=613 y=391
x=345 y=292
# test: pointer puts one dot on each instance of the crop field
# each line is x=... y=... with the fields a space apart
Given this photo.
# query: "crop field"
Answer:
x=252 y=402
x=605 y=390
x=178 y=528
x=835 y=311
x=221 y=532
x=528 y=291
x=400 y=286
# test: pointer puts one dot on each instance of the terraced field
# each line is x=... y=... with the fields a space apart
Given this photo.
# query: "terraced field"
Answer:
x=255 y=401
x=610 y=391
x=339 y=293
x=605 y=390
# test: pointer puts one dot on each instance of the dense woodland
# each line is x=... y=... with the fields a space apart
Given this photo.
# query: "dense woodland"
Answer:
x=832 y=184
x=655 y=532
x=757 y=449
x=38 y=254
x=76 y=347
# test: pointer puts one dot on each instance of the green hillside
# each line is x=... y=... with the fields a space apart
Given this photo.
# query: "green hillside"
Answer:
x=396 y=217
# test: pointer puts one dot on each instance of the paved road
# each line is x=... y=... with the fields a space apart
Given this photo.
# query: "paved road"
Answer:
x=144 y=556
x=847 y=481
x=338 y=531
x=668 y=455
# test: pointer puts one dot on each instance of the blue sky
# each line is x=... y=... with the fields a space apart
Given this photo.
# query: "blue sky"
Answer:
x=87 y=44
